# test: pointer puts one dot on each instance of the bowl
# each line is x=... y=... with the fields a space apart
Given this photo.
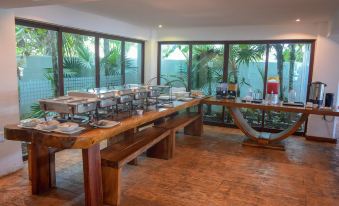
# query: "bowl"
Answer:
x=30 y=122
x=68 y=126
x=140 y=111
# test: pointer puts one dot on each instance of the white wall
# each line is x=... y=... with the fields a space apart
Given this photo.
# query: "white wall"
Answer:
x=10 y=151
x=73 y=18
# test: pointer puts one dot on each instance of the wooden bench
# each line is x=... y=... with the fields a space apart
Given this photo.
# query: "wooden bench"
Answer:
x=115 y=156
x=191 y=122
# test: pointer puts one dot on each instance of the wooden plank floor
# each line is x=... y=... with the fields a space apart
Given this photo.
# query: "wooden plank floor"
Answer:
x=211 y=170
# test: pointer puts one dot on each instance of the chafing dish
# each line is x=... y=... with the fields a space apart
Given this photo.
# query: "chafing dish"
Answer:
x=69 y=105
x=140 y=93
x=106 y=98
x=125 y=95
x=154 y=91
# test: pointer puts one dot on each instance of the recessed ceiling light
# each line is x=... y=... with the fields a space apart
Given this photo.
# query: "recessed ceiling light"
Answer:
x=159 y=26
x=297 y=20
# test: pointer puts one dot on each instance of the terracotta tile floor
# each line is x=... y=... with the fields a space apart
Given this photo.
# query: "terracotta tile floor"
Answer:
x=210 y=170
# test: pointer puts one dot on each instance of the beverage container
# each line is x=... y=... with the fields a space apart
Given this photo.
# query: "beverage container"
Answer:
x=329 y=97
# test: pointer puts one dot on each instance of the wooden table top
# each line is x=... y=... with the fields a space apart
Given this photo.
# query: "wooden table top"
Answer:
x=92 y=135
x=239 y=104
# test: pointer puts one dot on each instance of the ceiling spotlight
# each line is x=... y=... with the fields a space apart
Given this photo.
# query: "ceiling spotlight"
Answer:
x=159 y=26
x=297 y=20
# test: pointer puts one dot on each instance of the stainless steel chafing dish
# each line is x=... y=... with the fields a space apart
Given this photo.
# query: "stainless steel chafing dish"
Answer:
x=154 y=91
x=139 y=91
x=106 y=98
x=125 y=95
x=69 y=105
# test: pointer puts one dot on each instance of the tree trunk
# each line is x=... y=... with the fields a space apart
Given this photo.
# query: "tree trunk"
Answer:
x=292 y=62
x=280 y=67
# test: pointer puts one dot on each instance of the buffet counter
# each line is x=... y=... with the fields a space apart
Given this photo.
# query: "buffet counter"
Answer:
x=265 y=139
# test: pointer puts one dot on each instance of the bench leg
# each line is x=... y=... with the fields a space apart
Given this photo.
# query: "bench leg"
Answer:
x=134 y=162
x=164 y=149
x=195 y=128
x=126 y=134
x=111 y=185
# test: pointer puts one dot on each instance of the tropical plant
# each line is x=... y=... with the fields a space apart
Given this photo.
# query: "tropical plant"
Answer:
x=243 y=54
x=207 y=66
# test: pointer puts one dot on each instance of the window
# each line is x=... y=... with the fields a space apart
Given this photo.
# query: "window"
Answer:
x=78 y=62
x=206 y=73
x=288 y=63
x=133 y=63
x=86 y=60
x=174 y=65
x=246 y=68
x=37 y=65
x=248 y=64
x=110 y=62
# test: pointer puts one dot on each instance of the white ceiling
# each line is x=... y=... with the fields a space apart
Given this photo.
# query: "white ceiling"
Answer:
x=198 y=13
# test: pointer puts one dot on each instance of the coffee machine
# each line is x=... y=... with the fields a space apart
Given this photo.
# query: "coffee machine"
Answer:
x=317 y=93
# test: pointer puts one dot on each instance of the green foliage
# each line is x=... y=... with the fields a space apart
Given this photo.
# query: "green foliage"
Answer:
x=243 y=54
x=36 y=111
x=207 y=67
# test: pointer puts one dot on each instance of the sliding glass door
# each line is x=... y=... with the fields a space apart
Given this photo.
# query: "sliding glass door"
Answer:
x=290 y=64
x=110 y=62
x=133 y=63
x=78 y=62
x=249 y=65
x=37 y=68
x=174 y=65
x=246 y=69
x=206 y=73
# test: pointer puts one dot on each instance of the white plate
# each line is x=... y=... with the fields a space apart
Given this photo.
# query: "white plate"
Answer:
x=44 y=130
x=109 y=125
x=187 y=99
x=21 y=126
x=76 y=130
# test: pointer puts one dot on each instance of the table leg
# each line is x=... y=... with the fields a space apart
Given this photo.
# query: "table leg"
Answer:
x=40 y=167
x=196 y=127
x=92 y=175
x=264 y=139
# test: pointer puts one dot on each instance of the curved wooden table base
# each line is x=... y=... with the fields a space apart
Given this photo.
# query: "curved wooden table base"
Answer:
x=264 y=139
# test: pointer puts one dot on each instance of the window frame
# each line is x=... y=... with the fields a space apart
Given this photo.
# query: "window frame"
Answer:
x=97 y=35
x=227 y=44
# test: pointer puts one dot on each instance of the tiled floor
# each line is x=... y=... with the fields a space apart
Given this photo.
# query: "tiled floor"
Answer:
x=210 y=170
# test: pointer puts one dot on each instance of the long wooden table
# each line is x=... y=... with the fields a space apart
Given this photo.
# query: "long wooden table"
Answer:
x=89 y=142
x=265 y=139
